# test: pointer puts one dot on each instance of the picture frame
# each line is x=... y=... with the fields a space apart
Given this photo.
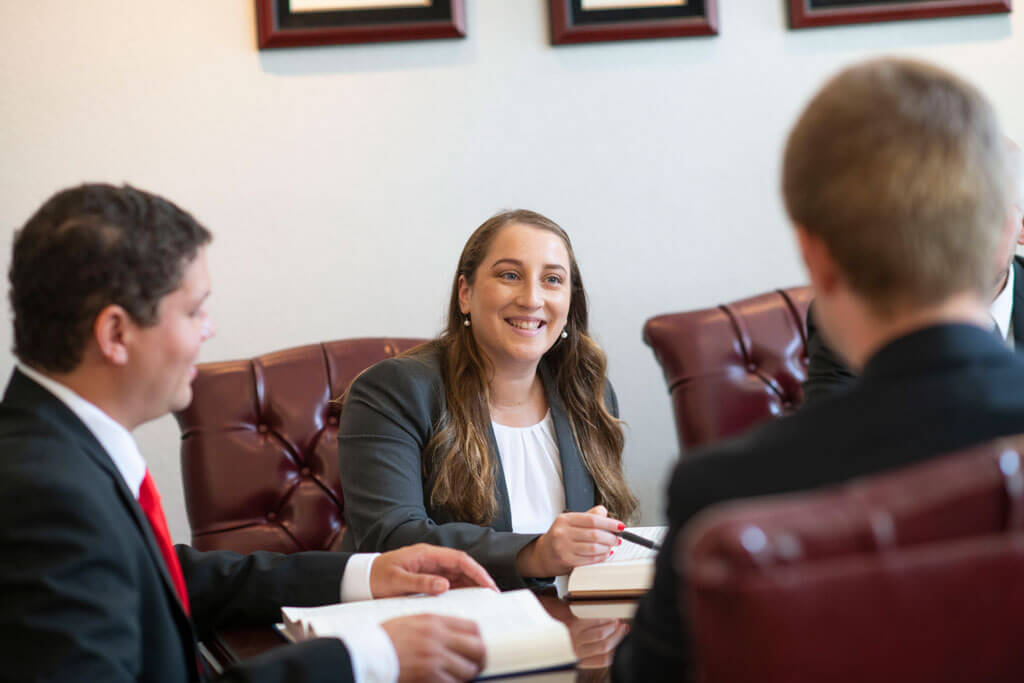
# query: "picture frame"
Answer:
x=301 y=23
x=589 y=21
x=814 y=13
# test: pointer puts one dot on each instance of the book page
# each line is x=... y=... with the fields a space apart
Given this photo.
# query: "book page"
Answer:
x=517 y=631
x=632 y=551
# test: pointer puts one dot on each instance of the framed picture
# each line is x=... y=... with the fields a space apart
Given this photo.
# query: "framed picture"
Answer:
x=295 y=23
x=589 y=21
x=811 y=13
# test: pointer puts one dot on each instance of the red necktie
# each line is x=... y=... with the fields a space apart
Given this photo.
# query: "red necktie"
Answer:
x=149 y=501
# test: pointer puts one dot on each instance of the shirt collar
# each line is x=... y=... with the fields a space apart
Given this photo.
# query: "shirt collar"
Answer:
x=1002 y=306
x=115 y=439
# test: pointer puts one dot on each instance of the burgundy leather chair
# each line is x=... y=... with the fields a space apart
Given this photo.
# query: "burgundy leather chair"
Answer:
x=730 y=367
x=912 y=576
x=259 y=454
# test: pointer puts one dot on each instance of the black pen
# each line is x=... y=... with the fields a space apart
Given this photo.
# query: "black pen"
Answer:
x=639 y=540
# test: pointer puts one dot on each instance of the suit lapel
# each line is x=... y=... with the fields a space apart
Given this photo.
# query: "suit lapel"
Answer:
x=576 y=480
x=1017 y=314
x=24 y=392
x=503 y=522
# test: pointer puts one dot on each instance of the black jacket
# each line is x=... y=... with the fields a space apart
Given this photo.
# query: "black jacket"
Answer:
x=933 y=391
x=390 y=414
x=84 y=592
x=827 y=374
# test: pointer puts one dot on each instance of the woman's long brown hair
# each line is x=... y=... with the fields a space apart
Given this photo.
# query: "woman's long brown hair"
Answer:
x=458 y=458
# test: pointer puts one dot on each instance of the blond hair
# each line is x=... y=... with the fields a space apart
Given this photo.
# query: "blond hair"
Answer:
x=899 y=167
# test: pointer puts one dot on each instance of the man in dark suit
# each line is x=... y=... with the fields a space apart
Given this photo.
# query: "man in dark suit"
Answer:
x=827 y=374
x=897 y=183
x=108 y=288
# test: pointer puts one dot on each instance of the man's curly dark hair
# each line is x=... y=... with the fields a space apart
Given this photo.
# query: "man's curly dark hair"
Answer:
x=88 y=247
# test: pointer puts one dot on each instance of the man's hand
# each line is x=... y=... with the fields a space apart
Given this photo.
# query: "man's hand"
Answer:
x=431 y=647
x=423 y=568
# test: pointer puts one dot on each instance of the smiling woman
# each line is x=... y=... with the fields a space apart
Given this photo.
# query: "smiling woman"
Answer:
x=501 y=437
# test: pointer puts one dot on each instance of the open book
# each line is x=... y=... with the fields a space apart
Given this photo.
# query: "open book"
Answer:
x=517 y=631
x=627 y=573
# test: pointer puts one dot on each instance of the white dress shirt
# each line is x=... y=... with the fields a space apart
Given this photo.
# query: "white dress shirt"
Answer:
x=372 y=654
x=1001 y=309
x=533 y=474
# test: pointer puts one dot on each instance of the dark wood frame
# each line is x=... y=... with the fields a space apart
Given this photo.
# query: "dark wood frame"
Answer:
x=629 y=24
x=801 y=15
x=357 y=26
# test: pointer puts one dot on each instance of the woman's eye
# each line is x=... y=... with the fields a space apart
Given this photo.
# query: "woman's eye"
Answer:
x=553 y=280
x=509 y=276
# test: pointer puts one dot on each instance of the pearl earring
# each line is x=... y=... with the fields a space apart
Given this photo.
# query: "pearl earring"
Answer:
x=565 y=335
x=465 y=323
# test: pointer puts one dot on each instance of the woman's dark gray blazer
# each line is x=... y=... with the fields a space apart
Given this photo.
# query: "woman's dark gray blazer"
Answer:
x=390 y=415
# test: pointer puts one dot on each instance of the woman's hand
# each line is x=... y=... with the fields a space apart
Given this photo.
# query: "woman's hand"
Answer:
x=575 y=538
x=595 y=640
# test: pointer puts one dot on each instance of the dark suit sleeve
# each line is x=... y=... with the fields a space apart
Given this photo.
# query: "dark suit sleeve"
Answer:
x=385 y=425
x=229 y=590
x=827 y=374
x=324 y=660
x=226 y=589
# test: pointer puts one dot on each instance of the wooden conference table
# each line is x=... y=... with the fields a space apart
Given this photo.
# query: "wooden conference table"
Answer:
x=593 y=624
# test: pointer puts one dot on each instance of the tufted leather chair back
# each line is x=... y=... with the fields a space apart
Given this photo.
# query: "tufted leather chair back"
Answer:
x=259 y=454
x=730 y=367
x=910 y=576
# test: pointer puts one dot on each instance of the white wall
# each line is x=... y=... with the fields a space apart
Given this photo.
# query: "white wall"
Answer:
x=342 y=181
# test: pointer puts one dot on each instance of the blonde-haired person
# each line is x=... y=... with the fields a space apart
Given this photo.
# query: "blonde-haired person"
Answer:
x=828 y=374
x=501 y=437
x=895 y=179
